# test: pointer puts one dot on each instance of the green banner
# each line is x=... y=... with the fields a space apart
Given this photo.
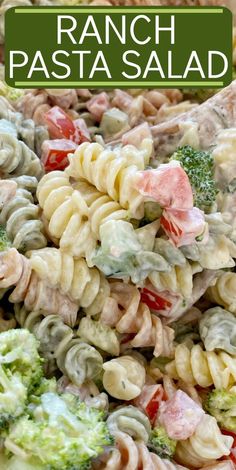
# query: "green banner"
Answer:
x=95 y=47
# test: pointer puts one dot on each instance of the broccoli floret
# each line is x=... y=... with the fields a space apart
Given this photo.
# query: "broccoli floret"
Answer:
x=4 y=240
x=199 y=167
x=161 y=444
x=59 y=432
x=222 y=405
x=19 y=354
x=13 y=396
x=20 y=371
x=46 y=386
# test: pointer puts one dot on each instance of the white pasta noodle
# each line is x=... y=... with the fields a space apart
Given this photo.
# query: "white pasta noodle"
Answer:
x=101 y=207
x=66 y=213
x=123 y=377
x=125 y=311
x=218 y=253
x=178 y=280
x=204 y=368
x=74 y=213
x=223 y=292
x=85 y=285
x=112 y=171
x=206 y=444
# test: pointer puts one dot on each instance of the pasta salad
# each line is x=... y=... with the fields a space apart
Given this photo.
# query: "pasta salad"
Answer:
x=117 y=275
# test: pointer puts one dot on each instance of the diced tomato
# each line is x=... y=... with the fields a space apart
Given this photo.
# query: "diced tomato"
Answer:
x=81 y=125
x=153 y=405
x=233 y=450
x=154 y=301
x=184 y=227
x=149 y=400
x=61 y=126
x=55 y=153
x=168 y=185
x=169 y=227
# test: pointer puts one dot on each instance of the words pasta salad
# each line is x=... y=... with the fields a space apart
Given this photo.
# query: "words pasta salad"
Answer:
x=117 y=275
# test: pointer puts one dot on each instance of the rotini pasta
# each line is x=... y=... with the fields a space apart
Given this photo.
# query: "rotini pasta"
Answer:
x=101 y=207
x=204 y=368
x=129 y=454
x=123 y=377
x=74 y=214
x=85 y=285
x=17 y=159
x=218 y=330
x=179 y=280
x=100 y=335
x=28 y=288
x=111 y=171
x=21 y=217
x=130 y=420
x=58 y=345
x=223 y=292
x=206 y=445
x=125 y=311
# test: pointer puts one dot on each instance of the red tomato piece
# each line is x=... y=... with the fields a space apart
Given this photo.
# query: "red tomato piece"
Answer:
x=84 y=132
x=149 y=400
x=184 y=227
x=153 y=405
x=154 y=301
x=55 y=153
x=168 y=185
x=61 y=126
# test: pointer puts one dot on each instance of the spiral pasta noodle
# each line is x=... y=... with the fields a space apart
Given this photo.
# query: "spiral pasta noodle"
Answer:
x=217 y=329
x=112 y=171
x=179 y=280
x=58 y=345
x=123 y=377
x=17 y=159
x=204 y=368
x=74 y=215
x=20 y=216
x=101 y=207
x=206 y=444
x=135 y=317
x=223 y=292
x=130 y=420
x=85 y=285
x=15 y=271
x=129 y=454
